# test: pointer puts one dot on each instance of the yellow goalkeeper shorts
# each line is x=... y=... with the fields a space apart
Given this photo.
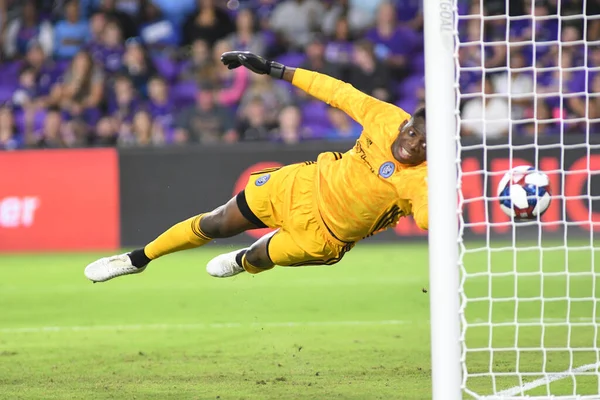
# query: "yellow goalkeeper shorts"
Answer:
x=283 y=198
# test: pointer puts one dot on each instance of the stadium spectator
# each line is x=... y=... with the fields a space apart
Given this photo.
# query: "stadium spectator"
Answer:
x=70 y=34
x=232 y=83
x=54 y=134
x=9 y=137
x=46 y=72
x=573 y=9
x=27 y=27
x=127 y=24
x=143 y=132
x=209 y=22
x=394 y=44
x=486 y=116
x=273 y=96
x=550 y=87
x=565 y=91
x=571 y=44
x=198 y=66
x=315 y=58
x=124 y=101
x=518 y=83
x=410 y=13
x=245 y=36
x=334 y=11
x=339 y=49
x=160 y=106
x=295 y=20
x=82 y=85
x=137 y=65
x=470 y=73
x=160 y=35
x=106 y=133
x=368 y=74
x=109 y=52
x=539 y=26
x=97 y=25
x=253 y=124
x=205 y=122
x=290 y=130
x=344 y=128
x=26 y=93
x=579 y=86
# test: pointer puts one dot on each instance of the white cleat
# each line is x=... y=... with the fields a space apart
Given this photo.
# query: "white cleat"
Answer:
x=224 y=265
x=110 y=267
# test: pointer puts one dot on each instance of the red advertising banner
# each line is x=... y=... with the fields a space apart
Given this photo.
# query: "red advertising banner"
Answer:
x=53 y=200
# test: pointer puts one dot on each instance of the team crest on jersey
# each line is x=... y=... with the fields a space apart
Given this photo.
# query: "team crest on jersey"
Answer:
x=262 y=180
x=387 y=169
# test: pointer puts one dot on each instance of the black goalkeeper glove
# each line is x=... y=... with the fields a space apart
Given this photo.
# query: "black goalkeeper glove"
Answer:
x=257 y=64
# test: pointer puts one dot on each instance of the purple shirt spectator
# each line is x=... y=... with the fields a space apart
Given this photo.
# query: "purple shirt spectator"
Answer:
x=47 y=76
x=123 y=111
x=163 y=114
x=110 y=58
x=47 y=72
x=160 y=106
x=402 y=41
x=109 y=50
x=339 y=52
x=339 y=49
x=546 y=30
x=407 y=10
x=394 y=44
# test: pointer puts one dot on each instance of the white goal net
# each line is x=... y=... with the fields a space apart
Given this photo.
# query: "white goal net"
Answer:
x=528 y=93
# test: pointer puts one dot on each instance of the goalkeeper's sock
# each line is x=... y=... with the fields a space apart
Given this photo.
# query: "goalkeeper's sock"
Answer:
x=138 y=258
x=182 y=236
x=243 y=262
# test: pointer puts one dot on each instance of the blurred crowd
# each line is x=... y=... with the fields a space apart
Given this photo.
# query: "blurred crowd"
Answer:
x=148 y=73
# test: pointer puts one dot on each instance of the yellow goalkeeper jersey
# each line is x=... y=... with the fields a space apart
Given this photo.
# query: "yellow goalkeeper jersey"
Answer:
x=365 y=190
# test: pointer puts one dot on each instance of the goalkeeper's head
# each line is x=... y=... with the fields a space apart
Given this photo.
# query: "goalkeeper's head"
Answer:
x=409 y=146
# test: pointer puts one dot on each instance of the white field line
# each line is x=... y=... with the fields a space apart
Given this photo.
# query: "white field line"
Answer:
x=224 y=325
x=556 y=376
x=160 y=327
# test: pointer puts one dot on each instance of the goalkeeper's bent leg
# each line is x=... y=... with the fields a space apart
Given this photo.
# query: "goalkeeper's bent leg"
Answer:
x=253 y=260
x=223 y=222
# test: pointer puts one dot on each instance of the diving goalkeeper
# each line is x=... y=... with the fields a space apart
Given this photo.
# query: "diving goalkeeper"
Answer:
x=319 y=209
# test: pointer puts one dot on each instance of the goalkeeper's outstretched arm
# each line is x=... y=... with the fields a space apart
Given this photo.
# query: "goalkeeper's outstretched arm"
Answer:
x=358 y=105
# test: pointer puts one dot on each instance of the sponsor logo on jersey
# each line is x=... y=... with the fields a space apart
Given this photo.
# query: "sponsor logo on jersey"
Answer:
x=387 y=169
x=262 y=180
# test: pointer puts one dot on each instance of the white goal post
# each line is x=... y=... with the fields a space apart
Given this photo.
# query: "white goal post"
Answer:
x=442 y=181
x=514 y=306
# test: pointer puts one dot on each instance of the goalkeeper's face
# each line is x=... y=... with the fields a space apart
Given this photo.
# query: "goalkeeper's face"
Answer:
x=409 y=146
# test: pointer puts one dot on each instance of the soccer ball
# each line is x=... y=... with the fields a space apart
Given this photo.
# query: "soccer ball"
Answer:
x=524 y=193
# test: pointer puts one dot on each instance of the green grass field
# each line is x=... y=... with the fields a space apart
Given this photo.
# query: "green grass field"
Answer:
x=357 y=330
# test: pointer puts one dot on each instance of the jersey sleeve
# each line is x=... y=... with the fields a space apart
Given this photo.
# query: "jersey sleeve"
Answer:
x=421 y=212
x=417 y=192
x=359 y=106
